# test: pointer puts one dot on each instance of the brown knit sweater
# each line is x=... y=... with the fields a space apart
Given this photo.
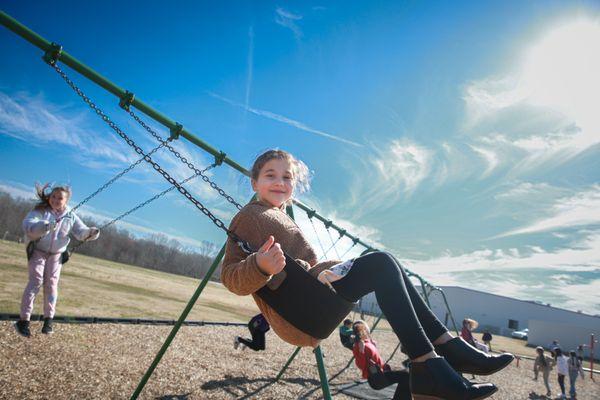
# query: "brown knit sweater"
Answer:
x=241 y=274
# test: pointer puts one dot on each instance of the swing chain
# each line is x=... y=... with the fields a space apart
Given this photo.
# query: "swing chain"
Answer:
x=138 y=150
x=108 y=121
x=111 y=181
x=184 y=160
x=145 y=203
x=150 y=200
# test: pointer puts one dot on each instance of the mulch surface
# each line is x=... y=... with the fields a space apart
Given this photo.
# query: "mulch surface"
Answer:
x=106 y=361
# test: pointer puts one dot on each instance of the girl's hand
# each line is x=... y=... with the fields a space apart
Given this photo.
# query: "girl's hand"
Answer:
x=326 y=277
x=270 y=257
x=93 y=233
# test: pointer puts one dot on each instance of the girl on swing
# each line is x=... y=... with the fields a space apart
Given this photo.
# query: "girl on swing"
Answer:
x=47 y=228
x=436 y=356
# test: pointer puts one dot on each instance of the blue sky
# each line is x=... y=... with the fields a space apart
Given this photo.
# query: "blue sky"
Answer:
x=462 y=136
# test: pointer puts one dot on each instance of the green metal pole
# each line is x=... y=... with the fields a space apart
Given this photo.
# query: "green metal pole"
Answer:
x=376 y=322
x=424 y=289
x=393 y=353
x=287 y=364
x=322 y=373
x=449 y=310
x=180 y=321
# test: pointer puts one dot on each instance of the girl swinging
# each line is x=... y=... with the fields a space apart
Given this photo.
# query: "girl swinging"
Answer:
x=436 y=356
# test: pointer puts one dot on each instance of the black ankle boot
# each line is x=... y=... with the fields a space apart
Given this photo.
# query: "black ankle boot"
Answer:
x=22 y=328
x=434 y=379
x=47 y=328
x=381 y=380
x=467 y=359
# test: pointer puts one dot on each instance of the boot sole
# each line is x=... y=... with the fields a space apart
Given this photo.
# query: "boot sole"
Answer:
x=427 y=397
x=501 y=367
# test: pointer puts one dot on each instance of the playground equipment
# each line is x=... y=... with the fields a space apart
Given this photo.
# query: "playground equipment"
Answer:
x=53 y=53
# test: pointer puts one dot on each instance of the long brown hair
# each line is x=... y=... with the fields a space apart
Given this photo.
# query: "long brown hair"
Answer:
x=44 y=192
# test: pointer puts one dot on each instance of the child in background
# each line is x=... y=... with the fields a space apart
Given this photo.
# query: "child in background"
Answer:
x=544 y=364
x=347 y=334
x=369 y=361
x=468 y=325
x=47 y=228
x=575 y=368
x=258 y=327
x=487 y=339
x=580 y=353
x=264 y=224
x=562 y=367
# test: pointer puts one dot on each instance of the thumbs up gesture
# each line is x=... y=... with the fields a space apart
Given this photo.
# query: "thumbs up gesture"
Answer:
x=270 y=257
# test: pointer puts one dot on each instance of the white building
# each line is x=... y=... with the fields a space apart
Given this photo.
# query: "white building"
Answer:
x=503 y=315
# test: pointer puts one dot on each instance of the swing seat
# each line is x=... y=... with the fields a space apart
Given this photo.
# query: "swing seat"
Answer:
x=306 y=303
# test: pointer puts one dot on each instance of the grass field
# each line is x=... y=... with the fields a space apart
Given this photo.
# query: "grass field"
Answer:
x=95 y=287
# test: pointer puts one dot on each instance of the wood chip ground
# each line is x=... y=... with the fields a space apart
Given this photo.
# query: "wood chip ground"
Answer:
x=106 y=361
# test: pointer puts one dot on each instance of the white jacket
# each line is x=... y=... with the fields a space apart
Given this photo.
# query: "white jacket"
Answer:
x=37 y=226
x=561 y=365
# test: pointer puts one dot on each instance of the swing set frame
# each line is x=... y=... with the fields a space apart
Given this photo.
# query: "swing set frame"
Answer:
x=53 y=53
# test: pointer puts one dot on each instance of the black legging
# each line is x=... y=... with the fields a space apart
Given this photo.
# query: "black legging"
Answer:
x=411 y=319
x=258 y=339
x=561 y=383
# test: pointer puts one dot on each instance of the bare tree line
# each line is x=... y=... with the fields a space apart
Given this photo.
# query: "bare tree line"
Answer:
x=157 y=252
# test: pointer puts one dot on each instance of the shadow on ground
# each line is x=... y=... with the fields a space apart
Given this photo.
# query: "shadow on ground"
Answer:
x=535 y=396
x=238 y=385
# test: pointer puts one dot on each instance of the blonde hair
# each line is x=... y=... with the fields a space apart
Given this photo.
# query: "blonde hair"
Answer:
x=44 y=192
x=471 y=322
x=299 y=169
x=361 y=330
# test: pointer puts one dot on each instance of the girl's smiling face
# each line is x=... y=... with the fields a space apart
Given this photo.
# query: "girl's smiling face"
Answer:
x=58 y=200
x=275 y=182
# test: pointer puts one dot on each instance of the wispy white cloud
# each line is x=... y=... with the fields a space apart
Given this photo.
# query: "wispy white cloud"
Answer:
x=524 y=190
x=288 y=20
x=490 y=158
x=583 y=255
x=581 y=209
x=403 y=165
x=250 y=65
x=546 y=108
x=388 y=173
x=38 y=122
x=18 y=190
x=285 y=120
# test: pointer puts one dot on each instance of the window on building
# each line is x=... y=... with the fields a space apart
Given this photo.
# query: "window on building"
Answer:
x=513 y=324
